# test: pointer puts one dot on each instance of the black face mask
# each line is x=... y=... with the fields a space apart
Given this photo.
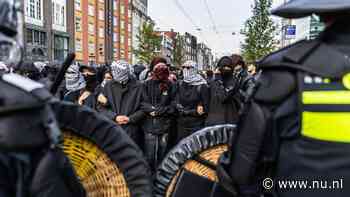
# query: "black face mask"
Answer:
x=91 y=82
x=227 y=74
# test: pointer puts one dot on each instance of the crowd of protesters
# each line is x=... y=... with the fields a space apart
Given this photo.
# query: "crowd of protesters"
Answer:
x=156 y=105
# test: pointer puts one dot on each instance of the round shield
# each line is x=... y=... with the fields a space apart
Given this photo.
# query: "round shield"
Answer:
x=198 y=155
x=105 y=159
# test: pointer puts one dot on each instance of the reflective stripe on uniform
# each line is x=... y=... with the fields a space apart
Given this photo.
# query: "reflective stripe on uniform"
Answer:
x=327 y=126
x=326 y=97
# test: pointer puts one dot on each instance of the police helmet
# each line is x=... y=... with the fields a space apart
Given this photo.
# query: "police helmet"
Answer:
x=11 y=32
x=302 y=8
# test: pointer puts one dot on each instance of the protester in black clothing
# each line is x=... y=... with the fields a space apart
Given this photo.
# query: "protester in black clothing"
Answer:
x=121 y=101
x=158 y=94
x=210 y=75
x=81 y=83
x=224 y=106
x=147 y=73
x=192 y=100
x=138 y=69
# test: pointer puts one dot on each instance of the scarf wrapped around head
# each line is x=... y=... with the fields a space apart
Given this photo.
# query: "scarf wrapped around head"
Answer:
x=120 y=71
x=191 y=75
x=161 y=73
x=74 y=79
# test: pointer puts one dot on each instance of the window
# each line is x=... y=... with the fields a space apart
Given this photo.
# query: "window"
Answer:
x=129 y=14
x=29 y=36
x=35 y=37
x=32 y=8
x=115 y=37
x=78 y=45
x=129 y=27
x=38 y=9
x=115 y=5
x=129 y=42
x=91 y=28
x=63 y=16
x=101 y=14
x=122 y=10
x=122 y=24
x=92 y=48
x=77 y=5
x=91 y=10
x=101 y=32
x=115 y=21
x=122 y=38
x=60 y=48
x=78 y=24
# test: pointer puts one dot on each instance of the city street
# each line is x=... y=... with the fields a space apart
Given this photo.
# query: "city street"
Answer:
x=174 y=98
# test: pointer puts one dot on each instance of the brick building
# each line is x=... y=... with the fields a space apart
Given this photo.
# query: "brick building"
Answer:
x=90 y=31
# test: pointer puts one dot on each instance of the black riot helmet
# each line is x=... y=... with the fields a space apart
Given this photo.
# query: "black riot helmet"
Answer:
x=11 y=32
x=302 y=8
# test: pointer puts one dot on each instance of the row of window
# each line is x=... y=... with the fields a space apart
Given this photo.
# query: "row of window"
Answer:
x=39 y=38
x=59 y=14
x=33 y=9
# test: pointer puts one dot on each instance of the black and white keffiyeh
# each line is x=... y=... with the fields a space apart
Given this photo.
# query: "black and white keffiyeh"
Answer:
x=4 y=68
x=120 y=71
x=191 y=75
x=74 y=79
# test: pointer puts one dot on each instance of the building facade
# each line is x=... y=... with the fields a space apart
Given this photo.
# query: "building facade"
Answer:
x=122 y=30
x=190 y=47
x=90 y=31
x=139 y=17
x=167 y=44
x=204 y=57
x=46 y=33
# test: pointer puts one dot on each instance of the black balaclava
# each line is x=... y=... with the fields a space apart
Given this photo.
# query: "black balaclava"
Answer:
x=91 y=82
x=226 y=68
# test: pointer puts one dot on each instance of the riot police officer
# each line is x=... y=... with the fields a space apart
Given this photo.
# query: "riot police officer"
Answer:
x=31 y=162
x=300 y=112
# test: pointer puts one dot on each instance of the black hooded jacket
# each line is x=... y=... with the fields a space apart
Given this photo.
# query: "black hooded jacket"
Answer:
x=224 y=106
x=189 y=97
x=124 y=100
x=154 y=100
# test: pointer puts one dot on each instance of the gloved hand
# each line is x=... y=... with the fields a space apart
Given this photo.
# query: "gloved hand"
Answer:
x=160 y=111
x=54 y=177
x=180 y=109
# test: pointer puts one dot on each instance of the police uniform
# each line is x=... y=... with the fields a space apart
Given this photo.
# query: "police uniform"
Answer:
x=302 y=115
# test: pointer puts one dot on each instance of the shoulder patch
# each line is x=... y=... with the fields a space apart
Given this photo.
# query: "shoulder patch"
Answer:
x=21 y=82
x=293 y=53
x=275 y=86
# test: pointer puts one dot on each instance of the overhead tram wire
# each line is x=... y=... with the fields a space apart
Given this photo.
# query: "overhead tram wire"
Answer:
x=211 y=16
x=220 y=38
x=184 y=12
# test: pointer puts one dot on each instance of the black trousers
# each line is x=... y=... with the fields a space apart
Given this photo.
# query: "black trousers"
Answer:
x=155 y=149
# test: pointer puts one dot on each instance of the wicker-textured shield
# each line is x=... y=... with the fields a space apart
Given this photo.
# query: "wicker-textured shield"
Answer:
x=105 y=159
x=204 y=146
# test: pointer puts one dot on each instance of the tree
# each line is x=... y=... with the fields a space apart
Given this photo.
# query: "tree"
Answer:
x=259 y=32
x=179 y=50
x=149 y=43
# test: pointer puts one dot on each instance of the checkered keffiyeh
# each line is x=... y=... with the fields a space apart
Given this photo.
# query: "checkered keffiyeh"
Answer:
x=191 y=75
x=4 y=68
x=120 y=71
x=74 y=79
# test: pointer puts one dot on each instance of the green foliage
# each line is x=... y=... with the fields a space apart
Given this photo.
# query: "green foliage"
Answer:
x=149 y=43
x=259 y=32
x=179 y=50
